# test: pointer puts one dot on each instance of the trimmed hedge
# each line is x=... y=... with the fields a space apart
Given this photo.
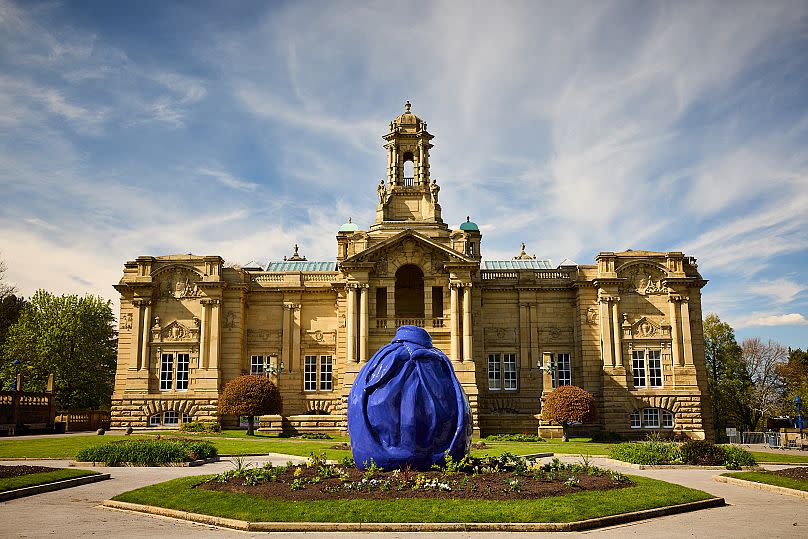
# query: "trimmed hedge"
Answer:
x=210 y=427
x=147 y=452
x=514 y=438
x=694 y=452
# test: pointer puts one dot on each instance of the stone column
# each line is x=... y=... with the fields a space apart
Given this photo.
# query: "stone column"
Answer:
x=215 y=333
x=606 y=332
x=524 y=334
x=616 y=329
x=428 y=314
x=137 y=328
x=454 y=347
x=203 y=335
x=350 y=323
x=295 y=336
x=286 y=337
x=467 y=351
x=676 y=348
x=144 y=346
x=687 y=340
x=363 y=322
x=391 y=305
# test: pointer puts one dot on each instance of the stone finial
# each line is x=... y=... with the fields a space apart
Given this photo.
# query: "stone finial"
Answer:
x=407 y=106
x=295 y=256
x=523 y=255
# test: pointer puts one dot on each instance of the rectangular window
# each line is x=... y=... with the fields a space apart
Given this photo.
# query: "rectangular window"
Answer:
x=650 y=418
x=381 y=302
x=638 y=361
x=171 y=417
x=166 y=371
x=636 y=420
x=509 y=371
x=326 y=371
x=562 y=370
x=310 y=374
x=183 y=360
x=667 y=419
x=654 y=369
x=494 y=374
x=257 y=365
x=437 y=302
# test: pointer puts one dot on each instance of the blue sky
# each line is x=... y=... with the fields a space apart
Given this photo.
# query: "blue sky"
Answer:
x=241 y=128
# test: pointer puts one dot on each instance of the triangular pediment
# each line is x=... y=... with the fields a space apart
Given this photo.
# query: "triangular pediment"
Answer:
x=404 y=243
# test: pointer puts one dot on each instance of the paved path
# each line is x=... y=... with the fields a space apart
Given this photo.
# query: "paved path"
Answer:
x=75 y=512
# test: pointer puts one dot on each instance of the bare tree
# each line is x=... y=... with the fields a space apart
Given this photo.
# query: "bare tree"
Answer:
x=761 y=361
x=6 y=289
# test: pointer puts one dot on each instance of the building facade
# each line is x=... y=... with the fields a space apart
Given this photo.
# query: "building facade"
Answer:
x=627 y=328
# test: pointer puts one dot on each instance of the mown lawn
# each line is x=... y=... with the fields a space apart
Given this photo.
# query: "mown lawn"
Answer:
x=765 y=456
x=646 y=494
x=30 y=480
x=770 y=479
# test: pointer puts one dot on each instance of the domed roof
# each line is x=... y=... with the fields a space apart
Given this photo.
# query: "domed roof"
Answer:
x=469 y=225
x=348 y=227
x=408 y=118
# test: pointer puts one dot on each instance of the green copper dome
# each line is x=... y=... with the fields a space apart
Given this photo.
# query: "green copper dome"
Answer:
x=348 y=227
x=468 y=225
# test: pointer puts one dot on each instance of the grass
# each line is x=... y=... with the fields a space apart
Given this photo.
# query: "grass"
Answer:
x=576 y=446
x=770 y=479
x=765 y=456
x=646 y=494
x=30 y=480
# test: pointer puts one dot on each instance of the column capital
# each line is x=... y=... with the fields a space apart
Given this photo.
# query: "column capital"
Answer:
x=210 y=301
x=141 y=302
x=466 y=285
x=676 y=298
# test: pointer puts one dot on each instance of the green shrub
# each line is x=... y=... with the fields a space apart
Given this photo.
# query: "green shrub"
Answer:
x=147 y=452
x=514 y=438
x=608 y=437
x=736 y=457
x=201 y=426
x=648 y=453
x=315 y=436
x=702 y=453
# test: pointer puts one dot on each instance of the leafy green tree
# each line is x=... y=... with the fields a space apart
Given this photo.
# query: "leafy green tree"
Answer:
x=726 y=375
x=71 y=337
x=250 y=395
x=794 y=374
x=10 y=310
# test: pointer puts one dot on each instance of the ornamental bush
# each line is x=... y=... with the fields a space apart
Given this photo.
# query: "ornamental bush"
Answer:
x=250 y=396
x=514 y=438
x=147 y=452
x=736 y=457
x=207 y=427
x=568 y=404
x=702 y=453
x=648 y=453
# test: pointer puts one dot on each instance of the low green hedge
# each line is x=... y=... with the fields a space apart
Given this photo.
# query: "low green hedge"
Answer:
x=514 y=438
x=208 y=427
x=147 y=452
x=693 y=452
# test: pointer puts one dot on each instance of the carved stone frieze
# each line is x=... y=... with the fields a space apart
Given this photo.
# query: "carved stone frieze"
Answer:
x=643 y=279
x=495 y=336
x=176 y=331
x=178 y=283
x=263 y=335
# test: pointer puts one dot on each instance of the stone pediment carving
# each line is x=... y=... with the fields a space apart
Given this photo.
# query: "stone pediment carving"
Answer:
x=321 y=338
x=643 y=279
x=178 y=282
x=407 y=245
x=176 y=331
x=647 y=329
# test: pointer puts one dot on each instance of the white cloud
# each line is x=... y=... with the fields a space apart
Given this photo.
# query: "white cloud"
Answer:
x=228 y=180
x=790 y=319
x=781 y=290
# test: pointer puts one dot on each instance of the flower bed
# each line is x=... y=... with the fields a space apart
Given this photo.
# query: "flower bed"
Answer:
x=505 y=477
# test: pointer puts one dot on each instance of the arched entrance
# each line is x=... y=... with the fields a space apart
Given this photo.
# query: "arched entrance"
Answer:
x=409 y=292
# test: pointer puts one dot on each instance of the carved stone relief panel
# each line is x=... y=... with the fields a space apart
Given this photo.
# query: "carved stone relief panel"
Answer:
x=321 y=338
x=557 y=334
x=230 y=320
x=495 y=336
x=126 y=322
x=176 y=331
x=259 y=336
x=178 y=283
x=643 y=279
x=592 y=316
x=645 y=328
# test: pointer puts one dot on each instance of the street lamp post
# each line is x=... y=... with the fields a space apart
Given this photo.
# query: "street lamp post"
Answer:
x=798 y=402
x=275 y=368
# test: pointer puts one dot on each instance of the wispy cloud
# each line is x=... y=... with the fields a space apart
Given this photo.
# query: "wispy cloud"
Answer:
x=790 y=319
x=228 y=180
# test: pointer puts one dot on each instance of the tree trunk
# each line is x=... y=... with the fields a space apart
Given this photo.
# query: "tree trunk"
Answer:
x=250 y=426
x=564 y=437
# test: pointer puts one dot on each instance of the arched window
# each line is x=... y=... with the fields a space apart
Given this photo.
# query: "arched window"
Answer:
x=409 y=169
x=409 y=292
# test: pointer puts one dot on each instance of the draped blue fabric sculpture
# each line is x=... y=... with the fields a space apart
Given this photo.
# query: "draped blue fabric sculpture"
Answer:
x=407 y=407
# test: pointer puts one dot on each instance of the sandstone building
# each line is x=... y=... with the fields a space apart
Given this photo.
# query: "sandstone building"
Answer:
x=627 y=328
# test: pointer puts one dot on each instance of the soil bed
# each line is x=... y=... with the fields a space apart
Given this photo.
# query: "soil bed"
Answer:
x=309 y=484
x=800 y=472
x=16 y=471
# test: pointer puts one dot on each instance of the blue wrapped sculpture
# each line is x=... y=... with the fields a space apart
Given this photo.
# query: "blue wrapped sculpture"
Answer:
x=407 y=407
